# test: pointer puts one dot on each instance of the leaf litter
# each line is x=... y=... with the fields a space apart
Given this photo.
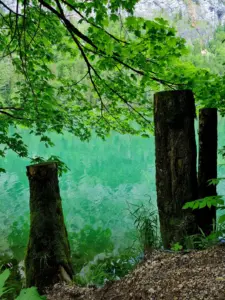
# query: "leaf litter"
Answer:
x=196 y=275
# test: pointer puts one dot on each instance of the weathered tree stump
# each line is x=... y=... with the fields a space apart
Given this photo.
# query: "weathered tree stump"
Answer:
x=207 y=166
x=48 y=255
x=175 y=148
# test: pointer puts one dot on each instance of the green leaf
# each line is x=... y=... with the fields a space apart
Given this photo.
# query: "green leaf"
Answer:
x=196 y=205
x=30 y=294
x=215 y=181
x=176 y=247
x=114 y=17
x=133 y=77
x=3 y=277
x=188 y=205
x=221 y=219
x=202 y=204
x=209 y=204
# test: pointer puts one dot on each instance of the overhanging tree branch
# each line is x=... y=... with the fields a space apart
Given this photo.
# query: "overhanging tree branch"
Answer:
x=68 y=24
x=91 y=23
x=71 y=28
x=14 y=117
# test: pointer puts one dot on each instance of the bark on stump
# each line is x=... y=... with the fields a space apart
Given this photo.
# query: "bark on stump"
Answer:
x=48 y=257
x=207 y=166
x=176 y=178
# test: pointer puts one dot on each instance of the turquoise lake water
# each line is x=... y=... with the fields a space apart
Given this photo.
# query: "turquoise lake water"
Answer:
x=104 y=177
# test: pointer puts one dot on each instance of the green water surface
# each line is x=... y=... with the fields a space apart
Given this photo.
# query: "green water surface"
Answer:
x=105 y=176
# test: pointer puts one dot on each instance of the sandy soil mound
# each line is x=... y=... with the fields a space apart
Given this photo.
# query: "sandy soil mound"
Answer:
x=197 y=275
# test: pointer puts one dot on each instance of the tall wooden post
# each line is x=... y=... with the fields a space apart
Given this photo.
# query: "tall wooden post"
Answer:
x=48 y=255
x=207 y=166
x=175 y=148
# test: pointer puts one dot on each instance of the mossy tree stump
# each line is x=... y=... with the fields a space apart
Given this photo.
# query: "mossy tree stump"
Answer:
x=48 y=255
x=207 y=166
x=176 y=178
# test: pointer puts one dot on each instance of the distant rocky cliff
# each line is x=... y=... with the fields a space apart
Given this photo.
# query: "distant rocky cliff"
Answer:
x=203 y=16
x=212 y=11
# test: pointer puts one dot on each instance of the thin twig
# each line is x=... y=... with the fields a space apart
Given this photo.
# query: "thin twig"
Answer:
x=9 y=9
x=14 y=117
x=11 y=108
x=96 y=26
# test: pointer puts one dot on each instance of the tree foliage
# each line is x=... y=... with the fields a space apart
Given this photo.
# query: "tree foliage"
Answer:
x=119 y=69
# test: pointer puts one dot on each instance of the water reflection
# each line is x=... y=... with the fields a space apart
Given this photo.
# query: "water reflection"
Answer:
x=104 y=176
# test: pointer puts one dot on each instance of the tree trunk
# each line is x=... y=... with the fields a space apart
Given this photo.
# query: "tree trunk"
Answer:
x=207 y=166
x=48 y=255
x=176 y=178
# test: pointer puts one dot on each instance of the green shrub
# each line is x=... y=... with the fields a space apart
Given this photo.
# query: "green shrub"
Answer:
x=201 y=241
x=89 y=242
x=25 y=294
x=109 y=268
x=10 y=265
x=18 y=237
x=147 y=224
x=3 y=278
x=177 y=247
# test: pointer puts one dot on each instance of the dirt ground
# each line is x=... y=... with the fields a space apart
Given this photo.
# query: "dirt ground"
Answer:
x=197 y=275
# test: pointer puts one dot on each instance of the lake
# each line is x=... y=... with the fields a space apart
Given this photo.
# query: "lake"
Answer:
x=105 y=177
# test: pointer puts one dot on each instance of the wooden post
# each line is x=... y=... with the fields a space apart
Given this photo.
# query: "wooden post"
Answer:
x=175 y=148
x=48 y=255
x=207 y=166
